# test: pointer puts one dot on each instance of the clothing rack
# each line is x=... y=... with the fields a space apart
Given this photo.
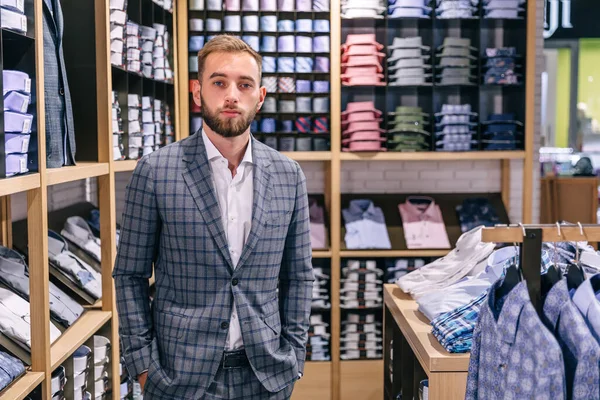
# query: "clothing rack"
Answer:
x=530 y=239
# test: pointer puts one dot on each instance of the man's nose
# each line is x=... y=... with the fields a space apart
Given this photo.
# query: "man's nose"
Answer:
x=232 y=95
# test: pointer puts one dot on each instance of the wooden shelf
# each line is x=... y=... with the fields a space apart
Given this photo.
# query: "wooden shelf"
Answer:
x=393 y=253
x=316 y=382
x=308 y=155
x=321 y=253
x=433 y=156
x=20 y=388
x=19 y=184
x=124 y=165
x=82 y=170
x=87 y=325
x=416 y=329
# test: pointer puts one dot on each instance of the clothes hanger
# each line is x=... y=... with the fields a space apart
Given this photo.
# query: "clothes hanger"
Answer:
x=512 y=276
x=552 y=275
x=575 y=274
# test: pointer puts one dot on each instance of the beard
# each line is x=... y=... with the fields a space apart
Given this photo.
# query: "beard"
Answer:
x=229 y=127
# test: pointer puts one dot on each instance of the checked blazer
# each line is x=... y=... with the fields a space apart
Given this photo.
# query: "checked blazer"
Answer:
x=172 y=219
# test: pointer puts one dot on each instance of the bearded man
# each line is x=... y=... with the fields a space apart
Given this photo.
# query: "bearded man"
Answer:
x=224 y=221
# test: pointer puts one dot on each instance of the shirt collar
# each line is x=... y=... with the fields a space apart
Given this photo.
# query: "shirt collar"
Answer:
x=362 y=207
x=212 y=152
x=511 y=310
x=585 y=298
x=429 y=211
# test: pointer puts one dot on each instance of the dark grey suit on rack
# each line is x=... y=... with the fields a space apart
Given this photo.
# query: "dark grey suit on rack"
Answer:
x=60 y=131
x=172 y=218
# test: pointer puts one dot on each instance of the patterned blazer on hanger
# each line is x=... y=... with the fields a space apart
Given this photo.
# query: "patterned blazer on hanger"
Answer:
x=172 y=219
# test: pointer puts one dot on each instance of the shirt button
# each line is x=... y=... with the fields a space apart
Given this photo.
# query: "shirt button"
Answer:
x=224 y=325
x=61 y=91
x=234 y=282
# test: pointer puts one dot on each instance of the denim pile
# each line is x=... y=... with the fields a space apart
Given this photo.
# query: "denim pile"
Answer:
x=501 y=66
x=361 y=61
x=363 y=9
x=17 y=122
x=360 y=127
x=407 y=130
x=407 y=62
x=457 y=64
x=361 y=285
x=13 y=16
x=456 y=9
x=361 y=337
x=454 y=128
x=503 y=9
x=475 y=212
x=502 y=132
x=409 y=9
x=10 y=369
x=400 y=267
x=319 y=339
x=117 y=128
x=119 y=32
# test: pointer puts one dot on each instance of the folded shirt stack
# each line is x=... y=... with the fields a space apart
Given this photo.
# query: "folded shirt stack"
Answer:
x=476 y=212
x=161 y=67
x=168 y=130
x=118 y=33
x=320 y=293
x=361 y=285
x=502 y=132
x=10 y=369
x=373 y=9
x=365 y=226
x=501 y=66
x=408 y=129
x=361 y=337
x=456 y=9
x=503 y=9
x=408 y=62
x=409 y=9
x=456 y=63
x=117 y=128
x=134 y=125
x=101 y=365
x=361 y=61
x=296 y=143
x=360 y=127
x=455 y=128
x=133 y=50
x=400 y=267
x=165 y=4
x=319 y=339
x=17 y=122
x=58 y=383
x=13 y=15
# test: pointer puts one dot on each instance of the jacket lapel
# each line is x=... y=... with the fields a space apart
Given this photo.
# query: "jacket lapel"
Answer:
x=48 y=8
x=198 y=178
x=262 y=197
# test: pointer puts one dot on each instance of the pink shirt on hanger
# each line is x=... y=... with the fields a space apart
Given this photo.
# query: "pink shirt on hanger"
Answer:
x=423 y=224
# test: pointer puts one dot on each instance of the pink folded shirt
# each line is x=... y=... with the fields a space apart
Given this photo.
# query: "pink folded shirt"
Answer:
x=423 y=224
x=361 y=38
x=360 y=106
x=360 y=145
x=362 y=126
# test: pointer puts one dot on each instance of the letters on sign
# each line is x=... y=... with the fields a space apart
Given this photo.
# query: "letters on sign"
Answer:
x=551 y=14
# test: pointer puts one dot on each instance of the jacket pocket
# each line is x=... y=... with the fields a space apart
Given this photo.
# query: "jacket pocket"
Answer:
x=273 y=322
x=171 y=325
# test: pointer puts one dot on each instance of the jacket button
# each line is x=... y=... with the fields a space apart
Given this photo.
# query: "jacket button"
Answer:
x=224 y=325
x=62 y=91
x=234 y=282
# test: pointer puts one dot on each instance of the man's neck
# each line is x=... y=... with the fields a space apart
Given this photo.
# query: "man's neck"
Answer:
x=233 y=149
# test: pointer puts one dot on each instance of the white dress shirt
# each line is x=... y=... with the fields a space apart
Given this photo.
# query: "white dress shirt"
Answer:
x=235 y=197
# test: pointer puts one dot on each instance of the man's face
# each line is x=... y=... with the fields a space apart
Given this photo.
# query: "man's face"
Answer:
x=229 y=93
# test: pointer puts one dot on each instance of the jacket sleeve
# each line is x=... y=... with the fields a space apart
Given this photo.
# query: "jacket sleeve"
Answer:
x=138 y=246
x=296 y=275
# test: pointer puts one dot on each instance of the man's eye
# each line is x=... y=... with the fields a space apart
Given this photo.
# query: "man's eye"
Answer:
x=218 y=83
x=246 y=85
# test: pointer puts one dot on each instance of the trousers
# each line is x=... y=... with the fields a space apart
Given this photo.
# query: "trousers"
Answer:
x=241 y=383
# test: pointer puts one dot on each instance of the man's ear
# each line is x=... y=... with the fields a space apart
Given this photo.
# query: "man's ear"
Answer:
x=263 y=95
x=196 y=89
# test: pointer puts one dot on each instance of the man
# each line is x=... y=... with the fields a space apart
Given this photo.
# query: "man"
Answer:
x=225 y=221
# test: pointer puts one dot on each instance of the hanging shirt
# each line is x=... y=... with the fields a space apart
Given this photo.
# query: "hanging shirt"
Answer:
x=586 y=302
x=235 y=197
x=365 y=226
x=514 y=356
x=580 y=350
x=423 y=224
x=468 y=258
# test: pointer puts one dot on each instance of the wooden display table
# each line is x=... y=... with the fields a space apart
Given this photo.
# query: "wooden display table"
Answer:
x=417 y=354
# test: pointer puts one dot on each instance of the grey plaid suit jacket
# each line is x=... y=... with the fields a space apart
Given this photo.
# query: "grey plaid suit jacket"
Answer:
x=172 y=219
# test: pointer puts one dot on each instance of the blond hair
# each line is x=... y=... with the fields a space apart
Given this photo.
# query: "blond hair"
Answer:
x=226 y=44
